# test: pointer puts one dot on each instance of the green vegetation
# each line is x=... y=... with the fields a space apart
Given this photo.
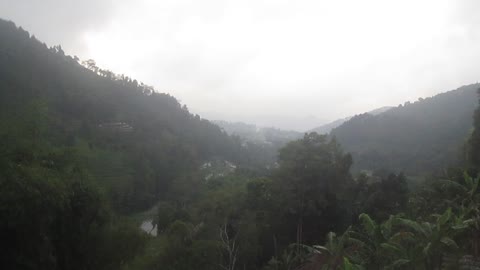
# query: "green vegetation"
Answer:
x=82 y=148
x=87 y=156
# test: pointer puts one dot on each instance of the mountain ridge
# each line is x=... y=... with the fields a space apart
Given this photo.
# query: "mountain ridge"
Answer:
x=326 y=128
x=417 y=137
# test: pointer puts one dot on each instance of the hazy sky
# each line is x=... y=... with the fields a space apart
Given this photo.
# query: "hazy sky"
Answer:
x=291 y=64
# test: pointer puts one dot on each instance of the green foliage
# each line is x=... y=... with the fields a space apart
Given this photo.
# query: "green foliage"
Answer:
x=383 y=197
x=313 y=180
x=53 y=216
x=434 y=241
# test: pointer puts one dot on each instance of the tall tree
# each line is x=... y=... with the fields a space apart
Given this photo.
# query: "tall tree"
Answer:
x=313 y=179
x=474 y=147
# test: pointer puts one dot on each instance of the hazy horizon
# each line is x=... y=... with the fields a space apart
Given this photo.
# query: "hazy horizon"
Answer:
x=288 y=64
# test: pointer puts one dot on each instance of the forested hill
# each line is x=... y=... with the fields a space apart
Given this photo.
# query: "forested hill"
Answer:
x=418 y=137
x=134 y=140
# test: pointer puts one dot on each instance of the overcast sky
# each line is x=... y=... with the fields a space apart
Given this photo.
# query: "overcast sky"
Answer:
x=290 y=64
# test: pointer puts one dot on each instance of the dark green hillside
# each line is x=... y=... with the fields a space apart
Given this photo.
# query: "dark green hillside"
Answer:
x=418 y=137
x=133 y=140
x=81 y=146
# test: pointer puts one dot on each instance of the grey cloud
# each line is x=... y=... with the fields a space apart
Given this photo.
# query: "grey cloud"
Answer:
x=57 y=22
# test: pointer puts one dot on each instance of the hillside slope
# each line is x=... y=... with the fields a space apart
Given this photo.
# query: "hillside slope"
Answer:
x=418 y=137
x=325 y=129
x=134 y=141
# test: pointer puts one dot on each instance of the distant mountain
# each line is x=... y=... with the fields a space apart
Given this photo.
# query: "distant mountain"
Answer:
x=418 y=137
x=262 y=143
x=282 y=121
x=325 y=129
x=255 y=134
x=380 y=110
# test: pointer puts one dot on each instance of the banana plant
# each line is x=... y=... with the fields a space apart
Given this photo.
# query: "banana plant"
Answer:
x=377 y=241
x=467 y=203
x=430 y=240
x=337 y=253
x=290 y=258
x=466 y=193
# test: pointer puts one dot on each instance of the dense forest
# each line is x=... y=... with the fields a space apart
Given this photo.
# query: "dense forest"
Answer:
x=89 y=156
